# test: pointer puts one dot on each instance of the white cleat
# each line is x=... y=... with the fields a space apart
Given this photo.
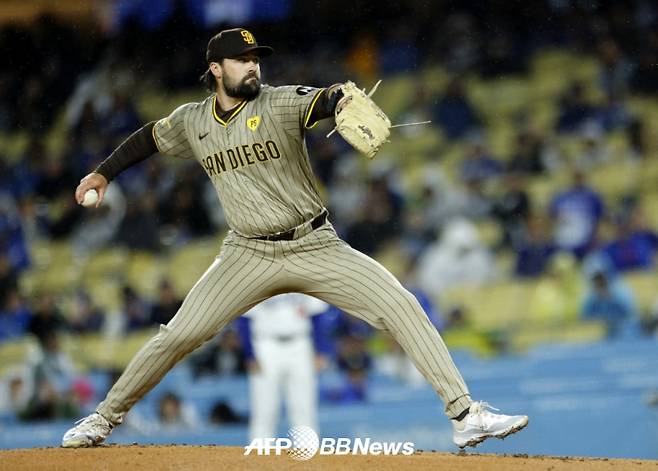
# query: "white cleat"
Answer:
x=480 y=424
x=89 y=431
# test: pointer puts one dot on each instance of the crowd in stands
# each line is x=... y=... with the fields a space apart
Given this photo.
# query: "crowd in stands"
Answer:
x=88 y=82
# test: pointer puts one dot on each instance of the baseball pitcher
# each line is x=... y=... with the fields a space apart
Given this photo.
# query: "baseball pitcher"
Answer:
x=249 y=139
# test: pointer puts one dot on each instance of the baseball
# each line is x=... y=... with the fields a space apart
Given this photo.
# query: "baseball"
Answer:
x=90 y=199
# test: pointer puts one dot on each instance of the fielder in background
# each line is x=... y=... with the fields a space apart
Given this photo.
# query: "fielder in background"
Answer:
x=284 y=343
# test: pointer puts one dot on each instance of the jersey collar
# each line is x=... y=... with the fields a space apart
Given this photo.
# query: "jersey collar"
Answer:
x=228 y=120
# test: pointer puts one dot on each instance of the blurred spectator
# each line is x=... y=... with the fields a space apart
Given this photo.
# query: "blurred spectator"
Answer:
x=439 y=200
x=478 y=164
x=354 y=361
x=527 y=158
x=121 y=119
x=14 y=393
x=222 y=413
x=457 y=259
x=176 y=414
x=54 y=376
x=593 y=152
x=575 y=109
x=85 y=316
x=379 y=218
x=47 y=319
x=477 y=204
x=15 y=316
x=611 y=301
x=139 y=229
x=612 y=114
x=576 y=213
x=454 y=112
x=8 y=279
x=511 y=209
x=224 y=355
x=14 y=250
x=615 y=70
x=134 y=311
x=533 y=248
x=166 y=305
x=634 y=246
x=183 y=211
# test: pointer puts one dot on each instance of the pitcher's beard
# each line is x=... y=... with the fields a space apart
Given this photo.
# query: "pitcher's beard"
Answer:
x=246 y=89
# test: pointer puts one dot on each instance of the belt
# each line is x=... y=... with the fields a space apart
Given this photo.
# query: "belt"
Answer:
x=316 y=222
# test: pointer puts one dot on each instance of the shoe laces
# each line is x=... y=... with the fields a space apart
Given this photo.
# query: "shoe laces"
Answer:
x=480 y=410
x=482 y=406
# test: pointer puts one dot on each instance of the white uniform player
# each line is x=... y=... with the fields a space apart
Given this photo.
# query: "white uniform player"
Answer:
x=278 y=335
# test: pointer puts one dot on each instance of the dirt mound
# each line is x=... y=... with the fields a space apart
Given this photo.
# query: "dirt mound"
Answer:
x=201 y=458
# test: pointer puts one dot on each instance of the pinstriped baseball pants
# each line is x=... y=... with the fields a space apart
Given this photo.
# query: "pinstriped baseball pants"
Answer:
x=319 y=264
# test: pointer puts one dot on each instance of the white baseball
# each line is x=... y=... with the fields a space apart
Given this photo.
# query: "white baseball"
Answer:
x=90 y=198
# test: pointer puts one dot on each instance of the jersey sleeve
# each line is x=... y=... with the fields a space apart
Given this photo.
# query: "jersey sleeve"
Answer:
x=170 y=134
x=294 y=104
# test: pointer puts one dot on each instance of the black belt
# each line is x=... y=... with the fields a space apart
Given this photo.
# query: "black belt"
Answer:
x=316 y=222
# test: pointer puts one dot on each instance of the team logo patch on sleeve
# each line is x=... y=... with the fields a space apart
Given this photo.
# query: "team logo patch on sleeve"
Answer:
x=304 y=90
x=253 y=122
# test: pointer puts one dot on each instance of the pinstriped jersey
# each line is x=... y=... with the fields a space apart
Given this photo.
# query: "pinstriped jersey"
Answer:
x=256 y=158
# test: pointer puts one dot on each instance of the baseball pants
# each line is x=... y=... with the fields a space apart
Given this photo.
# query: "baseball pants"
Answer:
x=287 y=370
x=320 y=264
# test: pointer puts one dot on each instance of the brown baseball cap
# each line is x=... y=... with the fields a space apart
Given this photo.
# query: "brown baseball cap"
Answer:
x=232 y=43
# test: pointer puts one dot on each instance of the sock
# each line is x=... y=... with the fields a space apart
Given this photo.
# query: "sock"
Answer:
x=461 y=416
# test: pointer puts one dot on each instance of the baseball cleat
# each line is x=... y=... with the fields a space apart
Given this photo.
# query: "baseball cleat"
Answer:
x=481 y=424
x=89 y=431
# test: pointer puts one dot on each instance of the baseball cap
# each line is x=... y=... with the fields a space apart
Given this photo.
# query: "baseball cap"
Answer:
x=232 y=43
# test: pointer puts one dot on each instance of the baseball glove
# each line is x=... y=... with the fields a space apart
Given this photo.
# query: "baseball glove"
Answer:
x=360 y=121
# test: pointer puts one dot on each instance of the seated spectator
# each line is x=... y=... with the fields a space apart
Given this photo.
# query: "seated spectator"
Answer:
x=533 y=249
x=457 y=259
x=15 y=316
x=593 y=151
x=454 y=112
x=14 y=394
x=223 y=355
x=174 y=413
x=135 y=310
x=379 y=217
x=54 y=378
x=527 y=158
x=511 y=209
x=479 y=165
x=139 y=230
x=85 y=316
x=615 y=69
x=634 y=247
x=611 y=301
x=575 y=109
x=354 y=361
x=222 y=413
x=167 y=304
x=47 y=318
x=576 y=213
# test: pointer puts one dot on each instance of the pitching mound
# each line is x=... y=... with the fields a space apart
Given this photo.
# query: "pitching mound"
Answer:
x=201 y=458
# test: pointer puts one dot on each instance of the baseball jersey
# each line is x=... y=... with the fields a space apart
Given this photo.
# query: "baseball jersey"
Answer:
x=256 y=158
